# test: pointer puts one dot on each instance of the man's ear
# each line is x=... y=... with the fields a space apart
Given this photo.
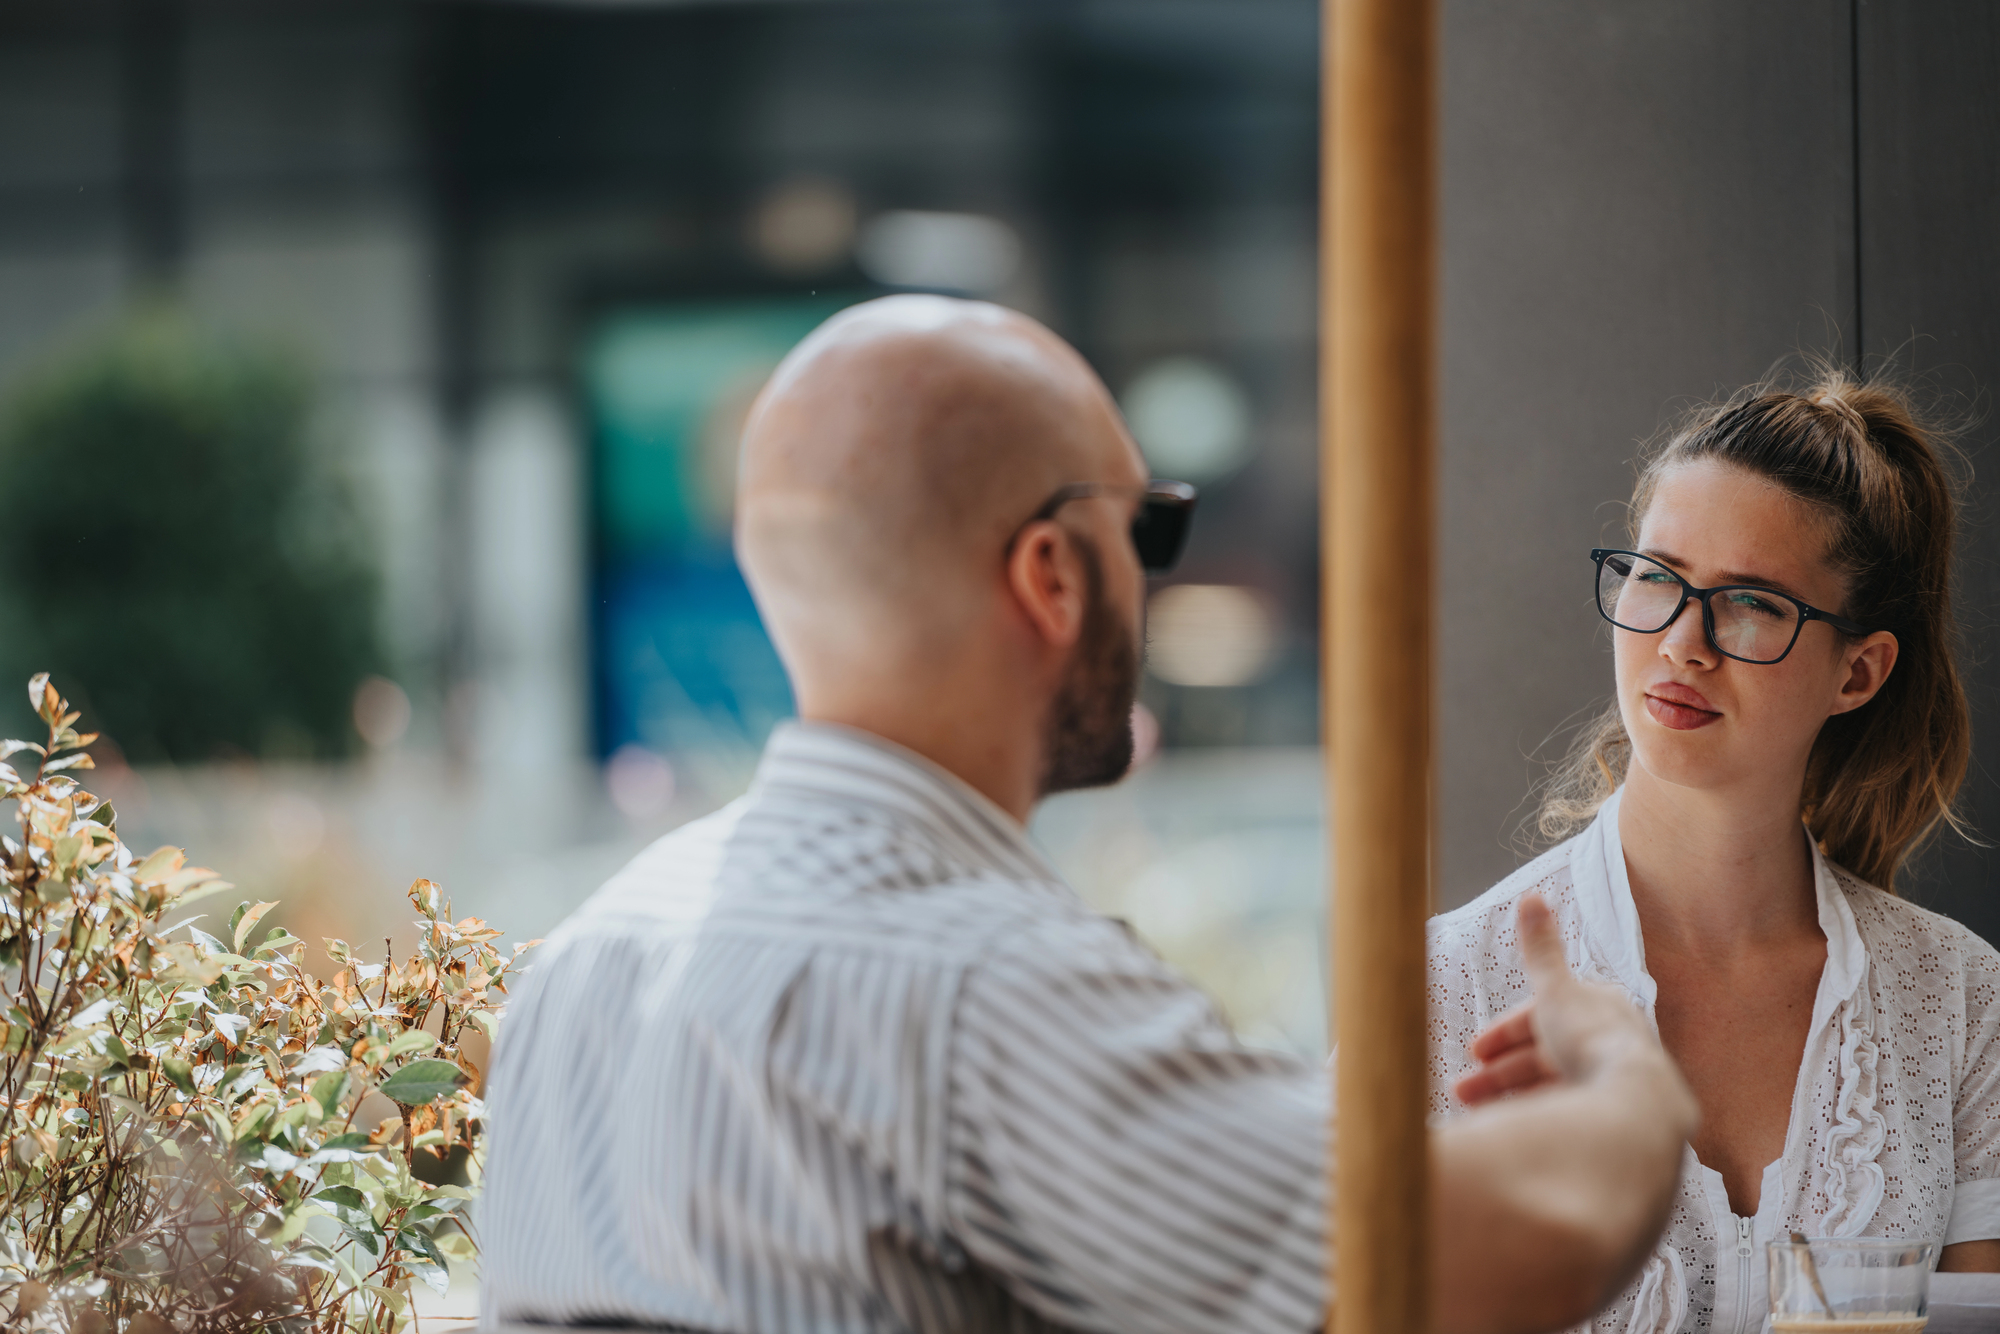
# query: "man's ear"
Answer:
x=1868 y=666
x=1046 y=577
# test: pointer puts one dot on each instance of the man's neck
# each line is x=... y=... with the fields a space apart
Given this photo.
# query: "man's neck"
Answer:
x=997 y=767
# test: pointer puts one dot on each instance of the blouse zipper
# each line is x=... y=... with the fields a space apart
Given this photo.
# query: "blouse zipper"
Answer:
x=1743 y=1254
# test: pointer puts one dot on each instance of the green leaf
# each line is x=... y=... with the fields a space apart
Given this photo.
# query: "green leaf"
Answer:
x=245 y=918
x=295 y=1222
x=415 y=1040
x=458 y=1246
x=345 y=1196
x=353 y=1139
x=368 y=1239
x=421 y=1081
x=389 y=1295
x=326 y=1091
x=414 y=1241
x=438 y=1280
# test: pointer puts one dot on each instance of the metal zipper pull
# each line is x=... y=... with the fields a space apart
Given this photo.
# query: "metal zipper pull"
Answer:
x=1744 y=1324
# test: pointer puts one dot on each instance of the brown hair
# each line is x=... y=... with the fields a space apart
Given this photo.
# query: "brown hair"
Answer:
x=1884 y=776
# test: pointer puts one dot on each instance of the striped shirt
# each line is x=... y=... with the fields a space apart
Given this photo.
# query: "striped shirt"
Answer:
x=848 y=1055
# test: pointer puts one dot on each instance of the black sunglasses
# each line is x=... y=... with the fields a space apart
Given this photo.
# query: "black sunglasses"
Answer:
x=1159 y=529
x=1743 y=621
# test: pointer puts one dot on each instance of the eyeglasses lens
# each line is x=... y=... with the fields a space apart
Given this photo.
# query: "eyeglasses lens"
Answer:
x=1637 y=594
x=1159 y=530
x=1753 y=624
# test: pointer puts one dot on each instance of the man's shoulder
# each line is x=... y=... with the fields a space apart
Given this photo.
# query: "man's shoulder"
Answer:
x=820 y=878
x=668 y=882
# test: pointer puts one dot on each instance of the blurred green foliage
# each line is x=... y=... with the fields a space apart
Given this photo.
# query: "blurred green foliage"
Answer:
x=174 y=550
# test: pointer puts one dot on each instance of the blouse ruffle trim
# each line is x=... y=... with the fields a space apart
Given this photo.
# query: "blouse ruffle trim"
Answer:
x=1851 y=1178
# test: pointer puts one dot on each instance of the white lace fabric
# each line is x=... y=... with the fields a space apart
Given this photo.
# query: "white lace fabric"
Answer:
x=1895 y=1127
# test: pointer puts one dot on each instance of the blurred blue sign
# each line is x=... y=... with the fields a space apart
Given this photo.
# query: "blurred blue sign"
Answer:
x=682 y=663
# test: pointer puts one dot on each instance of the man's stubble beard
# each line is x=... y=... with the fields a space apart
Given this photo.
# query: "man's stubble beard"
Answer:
x=1088 y=737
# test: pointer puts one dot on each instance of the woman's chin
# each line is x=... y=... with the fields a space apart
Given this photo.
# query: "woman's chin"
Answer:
x=1690 y=759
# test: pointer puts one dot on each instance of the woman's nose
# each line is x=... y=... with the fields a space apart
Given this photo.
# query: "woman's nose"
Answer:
x=1685 y=642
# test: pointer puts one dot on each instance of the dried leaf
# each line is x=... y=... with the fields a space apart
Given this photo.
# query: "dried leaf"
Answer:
x=157 y=865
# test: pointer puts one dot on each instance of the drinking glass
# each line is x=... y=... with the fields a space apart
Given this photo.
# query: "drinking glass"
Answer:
x=1849 y=1285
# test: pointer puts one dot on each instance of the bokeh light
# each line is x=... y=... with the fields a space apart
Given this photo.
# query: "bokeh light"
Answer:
x=1191 y=418
x=959 y=252
x=641 y=783
x=381 y=712
x=804 y=225
x=1209 y=635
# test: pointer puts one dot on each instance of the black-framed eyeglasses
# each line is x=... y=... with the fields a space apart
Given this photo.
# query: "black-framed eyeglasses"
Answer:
x=1743 y=621
x=1159 y=529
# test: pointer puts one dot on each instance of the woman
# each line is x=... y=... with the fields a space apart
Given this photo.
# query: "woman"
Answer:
x=1783 y=659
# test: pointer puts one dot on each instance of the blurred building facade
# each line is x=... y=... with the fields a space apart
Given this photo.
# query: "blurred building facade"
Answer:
x=447 y=207
x=490 y=226
x=540 y=256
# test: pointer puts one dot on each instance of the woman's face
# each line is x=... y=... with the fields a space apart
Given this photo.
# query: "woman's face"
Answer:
x=1698 y=719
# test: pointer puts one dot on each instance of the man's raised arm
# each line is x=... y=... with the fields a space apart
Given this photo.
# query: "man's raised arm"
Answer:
x=1545 y=1205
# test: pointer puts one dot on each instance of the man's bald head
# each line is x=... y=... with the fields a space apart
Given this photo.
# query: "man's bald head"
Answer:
x=889 y=459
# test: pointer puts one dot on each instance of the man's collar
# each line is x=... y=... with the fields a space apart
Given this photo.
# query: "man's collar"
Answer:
x=856 y=767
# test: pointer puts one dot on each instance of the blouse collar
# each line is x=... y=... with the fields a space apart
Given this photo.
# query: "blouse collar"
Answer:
x=1612 y=941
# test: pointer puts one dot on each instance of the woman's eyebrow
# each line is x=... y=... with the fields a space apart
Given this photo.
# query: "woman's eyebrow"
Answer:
x=1728 y=576
x=1663 y=557
x=1763 y=581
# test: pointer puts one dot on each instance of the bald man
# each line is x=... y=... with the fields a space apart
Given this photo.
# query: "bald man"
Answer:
x=849 y=1056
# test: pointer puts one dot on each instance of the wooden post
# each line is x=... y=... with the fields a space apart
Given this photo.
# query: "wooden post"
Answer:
x=1377 y=390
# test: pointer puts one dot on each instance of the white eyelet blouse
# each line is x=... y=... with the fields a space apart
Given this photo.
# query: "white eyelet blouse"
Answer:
x=1895 y=1128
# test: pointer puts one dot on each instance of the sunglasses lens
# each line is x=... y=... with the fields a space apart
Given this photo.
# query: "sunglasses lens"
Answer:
x=1160 y=530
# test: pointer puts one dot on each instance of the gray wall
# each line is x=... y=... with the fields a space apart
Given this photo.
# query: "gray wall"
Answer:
x=1929 y=209
x=1644 y=206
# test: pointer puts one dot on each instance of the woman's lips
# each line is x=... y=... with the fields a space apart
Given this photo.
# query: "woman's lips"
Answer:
x=1679 y=707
